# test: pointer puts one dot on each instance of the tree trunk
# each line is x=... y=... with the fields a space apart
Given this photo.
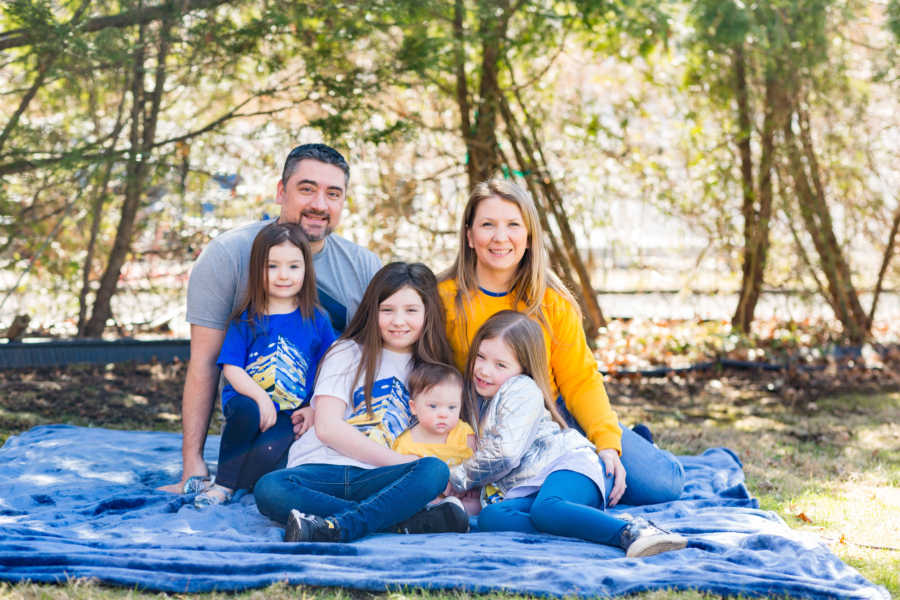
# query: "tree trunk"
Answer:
x=478 y=118
x=757 y=206
x=551 y=200
x=144 y=116
x=816 y=216
x=885 y=261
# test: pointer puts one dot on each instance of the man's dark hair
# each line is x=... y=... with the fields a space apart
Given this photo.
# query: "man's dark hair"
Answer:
x=320 y=152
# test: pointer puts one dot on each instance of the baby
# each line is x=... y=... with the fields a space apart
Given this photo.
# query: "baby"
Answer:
x=436 y=401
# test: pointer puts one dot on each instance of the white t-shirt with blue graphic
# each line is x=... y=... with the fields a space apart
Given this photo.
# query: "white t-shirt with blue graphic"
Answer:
x=281 y=354
x=390 y=403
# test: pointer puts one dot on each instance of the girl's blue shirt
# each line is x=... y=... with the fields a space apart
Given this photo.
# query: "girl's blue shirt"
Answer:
x=281 y=354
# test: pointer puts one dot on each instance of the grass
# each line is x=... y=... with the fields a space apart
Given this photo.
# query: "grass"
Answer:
x=829 y=465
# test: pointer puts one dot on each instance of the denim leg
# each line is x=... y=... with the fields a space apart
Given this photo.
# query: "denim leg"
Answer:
x=652 y=475
x=315 y=489
x=268 y=451
x=362 y=501
x=240 y=431
x=569 y=504
x=508 y=515
x=388 y=495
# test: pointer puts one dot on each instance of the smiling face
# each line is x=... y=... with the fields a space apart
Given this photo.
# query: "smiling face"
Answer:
x=495 y=362
x=401 y=317
x=499 y=238
x=313 y=196
x=437 y=408
x=285 y=270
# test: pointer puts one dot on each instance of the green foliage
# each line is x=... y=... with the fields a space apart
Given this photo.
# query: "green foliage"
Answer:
x=893 y=13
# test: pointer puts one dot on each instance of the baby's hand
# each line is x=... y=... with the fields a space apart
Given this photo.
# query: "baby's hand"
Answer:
x=302 y=419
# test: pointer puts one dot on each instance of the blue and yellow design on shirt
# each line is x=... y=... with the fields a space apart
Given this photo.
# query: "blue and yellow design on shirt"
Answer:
x=390 y=411
x=281 y=354
x=280 y=368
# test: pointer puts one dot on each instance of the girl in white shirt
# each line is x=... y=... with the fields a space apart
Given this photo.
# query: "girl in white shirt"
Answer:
x=343 y=481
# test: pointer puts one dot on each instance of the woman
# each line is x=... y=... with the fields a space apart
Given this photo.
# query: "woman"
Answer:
x=501 y=265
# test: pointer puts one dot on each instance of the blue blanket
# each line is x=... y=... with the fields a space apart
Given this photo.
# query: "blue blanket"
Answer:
x=78 y=502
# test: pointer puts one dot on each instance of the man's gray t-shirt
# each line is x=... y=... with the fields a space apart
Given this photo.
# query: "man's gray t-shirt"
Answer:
x=219 y=277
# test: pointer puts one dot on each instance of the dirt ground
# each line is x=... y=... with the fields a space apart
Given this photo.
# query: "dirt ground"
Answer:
x=148 y=396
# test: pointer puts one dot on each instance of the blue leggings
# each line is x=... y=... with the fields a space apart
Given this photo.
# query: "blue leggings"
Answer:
x=567 y=504
x=245 y=453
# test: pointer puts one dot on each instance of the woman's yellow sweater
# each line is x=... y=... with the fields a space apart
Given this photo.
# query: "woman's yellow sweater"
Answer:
x=573 y=369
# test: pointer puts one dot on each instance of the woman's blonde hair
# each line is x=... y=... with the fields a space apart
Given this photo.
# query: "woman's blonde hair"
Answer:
x=532 y=276
x=525 y=339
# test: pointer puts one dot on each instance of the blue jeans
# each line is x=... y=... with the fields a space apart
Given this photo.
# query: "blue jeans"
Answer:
x=652 y=475
x=245 y=453
x=567 y=504
x=361 y=501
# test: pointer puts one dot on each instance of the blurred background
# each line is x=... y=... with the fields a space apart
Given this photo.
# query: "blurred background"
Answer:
x=725 y=166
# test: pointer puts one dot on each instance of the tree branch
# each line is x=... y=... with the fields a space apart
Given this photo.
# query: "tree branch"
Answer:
x=139 y=16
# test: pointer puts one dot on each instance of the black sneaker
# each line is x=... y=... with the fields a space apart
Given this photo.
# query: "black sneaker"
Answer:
x=642 y=538
x=310 y=528
x=446 y=516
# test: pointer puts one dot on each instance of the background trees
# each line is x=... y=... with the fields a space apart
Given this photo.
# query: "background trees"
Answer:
x=131 y=132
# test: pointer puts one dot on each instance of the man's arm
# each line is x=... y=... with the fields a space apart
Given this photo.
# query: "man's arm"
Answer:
x=197 y=401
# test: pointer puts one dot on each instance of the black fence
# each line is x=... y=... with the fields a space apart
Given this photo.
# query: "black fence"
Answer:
x=67 y=352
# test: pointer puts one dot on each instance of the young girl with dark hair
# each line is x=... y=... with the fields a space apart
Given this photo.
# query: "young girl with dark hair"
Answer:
x=343 y=481
x=269 y=358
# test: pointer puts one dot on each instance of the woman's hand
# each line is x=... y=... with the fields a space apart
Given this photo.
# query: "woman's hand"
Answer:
x=302 y=420
x=612 y=464
x=267 y=413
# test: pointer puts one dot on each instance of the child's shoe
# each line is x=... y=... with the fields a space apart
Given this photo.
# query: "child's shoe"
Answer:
x=213 y=495
x=302 y=527
x=447 y=516
x=642 y=538
x=196 y=484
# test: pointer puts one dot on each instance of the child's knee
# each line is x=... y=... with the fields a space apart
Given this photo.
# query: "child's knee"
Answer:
x=543 y=513
x=436 y=471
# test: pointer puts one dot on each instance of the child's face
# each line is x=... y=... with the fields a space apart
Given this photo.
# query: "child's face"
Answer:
x=284 y=271
x=401 y=317
x=437 y=408
x=494 y=364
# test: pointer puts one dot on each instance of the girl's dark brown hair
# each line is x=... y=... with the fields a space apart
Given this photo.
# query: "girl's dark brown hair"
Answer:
x=525 y=340
x=256 y=298
x=431 y=347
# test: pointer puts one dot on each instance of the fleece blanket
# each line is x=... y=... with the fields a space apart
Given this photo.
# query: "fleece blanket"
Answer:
x=81 y=503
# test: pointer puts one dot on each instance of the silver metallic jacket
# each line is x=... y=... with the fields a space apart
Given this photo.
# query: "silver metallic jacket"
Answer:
x=517 y=440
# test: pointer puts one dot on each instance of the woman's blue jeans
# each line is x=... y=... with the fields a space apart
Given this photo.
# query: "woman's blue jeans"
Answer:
x=245 y=453
x=652 y=475
x=361 y=501
x=568 y=504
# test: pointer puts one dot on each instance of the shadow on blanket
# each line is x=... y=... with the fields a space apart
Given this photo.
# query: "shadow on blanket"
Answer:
x=78 y=502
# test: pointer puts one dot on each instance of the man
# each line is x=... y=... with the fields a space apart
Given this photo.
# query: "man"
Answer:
x=311 y=192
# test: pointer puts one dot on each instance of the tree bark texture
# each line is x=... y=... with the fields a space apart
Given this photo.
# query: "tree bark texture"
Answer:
x=816 y=217
x=144 y=117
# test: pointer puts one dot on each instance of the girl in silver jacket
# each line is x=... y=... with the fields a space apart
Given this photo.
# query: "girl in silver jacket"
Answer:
x=550 y=476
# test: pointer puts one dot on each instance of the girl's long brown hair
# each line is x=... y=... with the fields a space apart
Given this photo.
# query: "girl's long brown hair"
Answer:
x=431 y=347
x=524 y=337
x=533 y=274
x=256 y=299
